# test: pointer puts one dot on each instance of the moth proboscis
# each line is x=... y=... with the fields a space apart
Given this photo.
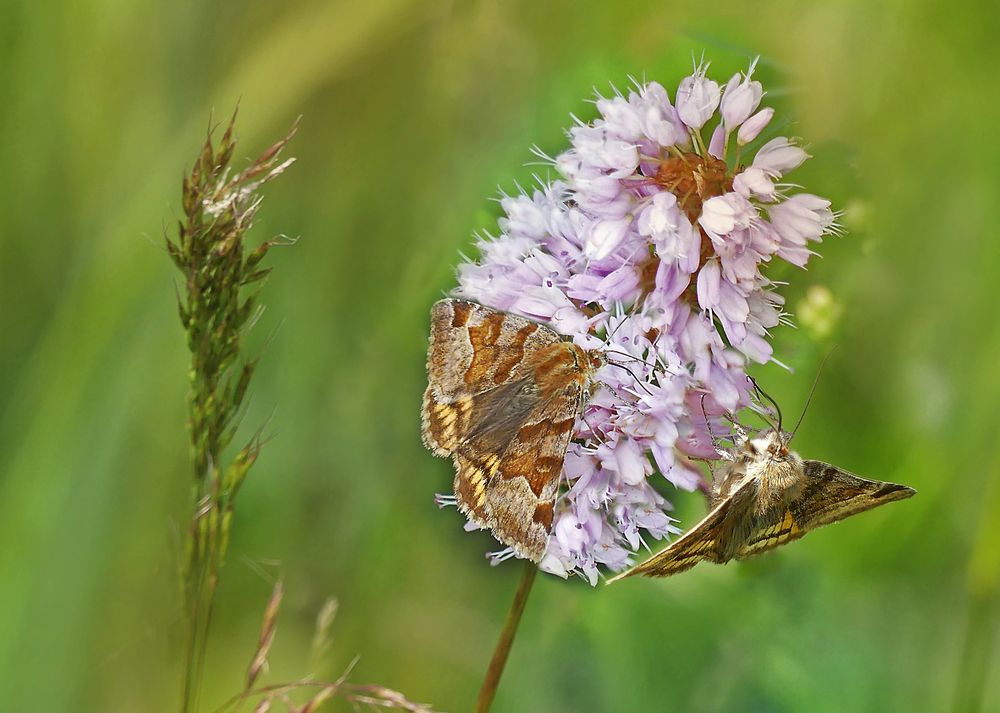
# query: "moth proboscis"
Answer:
x=502 y=399
x=764 y=496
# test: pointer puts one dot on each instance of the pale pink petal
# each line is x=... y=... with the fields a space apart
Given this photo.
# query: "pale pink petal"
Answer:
x=752 y=127
x=740 y=99
x=697 y=99
x=717 y=146
x=779 y=156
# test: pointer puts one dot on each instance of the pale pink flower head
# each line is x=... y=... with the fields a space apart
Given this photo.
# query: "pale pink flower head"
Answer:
x=653 y=242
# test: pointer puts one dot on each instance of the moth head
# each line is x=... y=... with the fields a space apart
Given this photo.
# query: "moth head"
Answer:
x=777 y=470
x=771 y=446
x=596 y=359
x=593 y=362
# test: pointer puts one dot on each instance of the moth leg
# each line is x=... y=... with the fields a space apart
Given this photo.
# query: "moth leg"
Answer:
x=593 y=431
x=742 y=432
x=708 y=423
x=717 y=441
x=706 y=488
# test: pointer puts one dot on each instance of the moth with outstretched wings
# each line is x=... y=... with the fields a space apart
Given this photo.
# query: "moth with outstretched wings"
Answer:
x=765 y=496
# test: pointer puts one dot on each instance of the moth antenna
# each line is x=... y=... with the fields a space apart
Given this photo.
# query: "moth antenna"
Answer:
x=632 y=311
x=812 y=391
x=708 y=425
x=635 y=359
x=615 y=330
x=765 y=415
x=637 y=379
x=767 y=396
x=656 y=366
x=624 y=354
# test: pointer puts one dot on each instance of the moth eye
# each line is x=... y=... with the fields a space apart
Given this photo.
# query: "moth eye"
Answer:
x=784 y=451
x=771 y=449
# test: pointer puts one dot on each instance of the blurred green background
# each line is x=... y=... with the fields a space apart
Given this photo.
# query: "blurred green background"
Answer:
x=414 y=111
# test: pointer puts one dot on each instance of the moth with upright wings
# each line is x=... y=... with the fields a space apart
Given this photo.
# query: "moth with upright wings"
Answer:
x=503 y=394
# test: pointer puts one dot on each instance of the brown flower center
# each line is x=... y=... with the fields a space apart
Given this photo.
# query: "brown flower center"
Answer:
x=693 y=179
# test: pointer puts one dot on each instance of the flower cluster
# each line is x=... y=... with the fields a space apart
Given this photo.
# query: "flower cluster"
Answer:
x=650 y=245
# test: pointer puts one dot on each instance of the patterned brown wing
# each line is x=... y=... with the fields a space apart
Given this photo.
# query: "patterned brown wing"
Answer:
x=502 y=399
x=509 y=461
x=490 y=424
x=703 y=541
x=523 y=482
x=829 y=494
x=473 y=349
x=767 y=532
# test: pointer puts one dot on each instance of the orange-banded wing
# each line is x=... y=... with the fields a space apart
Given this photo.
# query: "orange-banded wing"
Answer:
x=512 y=490
x=483 y=407
x=702 y=541
x=473 y=350
x=830 y=494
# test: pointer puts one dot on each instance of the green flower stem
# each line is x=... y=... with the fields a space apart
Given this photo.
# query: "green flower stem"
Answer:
x=502 y=650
